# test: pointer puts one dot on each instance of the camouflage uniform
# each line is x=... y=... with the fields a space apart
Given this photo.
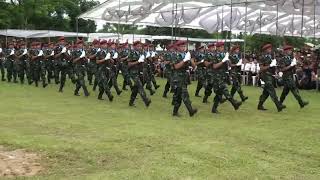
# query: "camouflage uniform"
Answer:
x=289 y=83
x=179 y=84
x=235 y=73
x=114 y=73
x=11 y=66
x=268 y=89
x=80 y=71
x=209 y=56
x=218 y=80
x=168 y=70
x=103 y=75
x=2 y=65
x=92 y=66
x=200 y=72
x=124 y=69
x=136 y=75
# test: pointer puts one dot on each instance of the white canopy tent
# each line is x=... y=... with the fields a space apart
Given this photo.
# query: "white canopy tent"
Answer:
x=276 y=17
x=133 y=37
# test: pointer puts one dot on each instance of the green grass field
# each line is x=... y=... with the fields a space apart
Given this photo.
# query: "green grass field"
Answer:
x=83 y=138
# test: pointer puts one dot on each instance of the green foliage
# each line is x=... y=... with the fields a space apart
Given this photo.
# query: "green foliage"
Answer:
x=82 y=138
x=256 y=41
x=46 y=14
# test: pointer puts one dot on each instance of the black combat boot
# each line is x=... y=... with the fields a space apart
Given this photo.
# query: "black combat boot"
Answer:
x=260 y=107
x=303 y=104
x=235 y=104
x=175 y=112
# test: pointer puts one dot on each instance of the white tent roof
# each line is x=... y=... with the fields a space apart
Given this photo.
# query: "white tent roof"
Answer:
x=252 y=16
x=134 y=37
x=39 y=33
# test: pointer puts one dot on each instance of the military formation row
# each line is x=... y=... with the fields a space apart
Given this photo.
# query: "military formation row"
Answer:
x=102 y=63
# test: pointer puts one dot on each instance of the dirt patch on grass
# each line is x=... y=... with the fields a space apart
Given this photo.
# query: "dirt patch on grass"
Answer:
x=18 y=163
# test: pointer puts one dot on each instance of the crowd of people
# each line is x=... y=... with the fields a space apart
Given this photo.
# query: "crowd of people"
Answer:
x=101 y=62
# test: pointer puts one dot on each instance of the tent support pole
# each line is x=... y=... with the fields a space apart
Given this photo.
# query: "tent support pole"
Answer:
x=6 y=38
x=172 y=21
x=314 y=21
x=245 y=29
x=302 y=17
x=277 y=23
x=77 y=27
x=118 y=29
x=230 y=26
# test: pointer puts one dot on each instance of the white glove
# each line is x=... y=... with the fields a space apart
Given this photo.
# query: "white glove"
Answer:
x=202 y=61
x=294 y=62
x=187 y=57
x=280 y=74
x=153 y=54
x=226 y=57
x=108 y=56
x=40 y=53
x=83 y=54
x=24 y=52
x=273 y=63
x=52 y=53
x=239 y=63
x=0 y=50
x=141 y=59
x=115 y=56
x=148 y=54
x=64 y=50
x=98 y=50
x=12 y=52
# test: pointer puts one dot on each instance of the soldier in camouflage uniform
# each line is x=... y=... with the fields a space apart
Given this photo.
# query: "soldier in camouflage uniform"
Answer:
x=80 y=60
x=147 y=69
x=267 y=66
x=63 y=64
x=235 y=72
x=22 y=58
x=49 y=63
x=114 y=68
x=92 y=65
x=168 y=58
x=135 y=62
x=154 y=59
x=10 y=63
x=2 y=66
x=103 y=75
x=210 y=54
x=123 y=58
x=219 y=67
x=38 y=71
x=201 y=69
x=287 y=66
x=180 y=79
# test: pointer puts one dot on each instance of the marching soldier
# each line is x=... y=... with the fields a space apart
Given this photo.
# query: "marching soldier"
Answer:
x=38 y=67
x=267 y=66
x=169 y=56
x=22 y=58
x=235 y=72
x=210 y=55
x=103 y=78
x=123 y=58
x=200 y=70
x=10 y=63
x=287 y=65
x=147 y=69
x=114 y=67
x=2 y=63
x=179 y=81
x=80 y=60
x=92 y=65
x=49 y=63
x=218 y=65
x=135 y=62
x=154 y=58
